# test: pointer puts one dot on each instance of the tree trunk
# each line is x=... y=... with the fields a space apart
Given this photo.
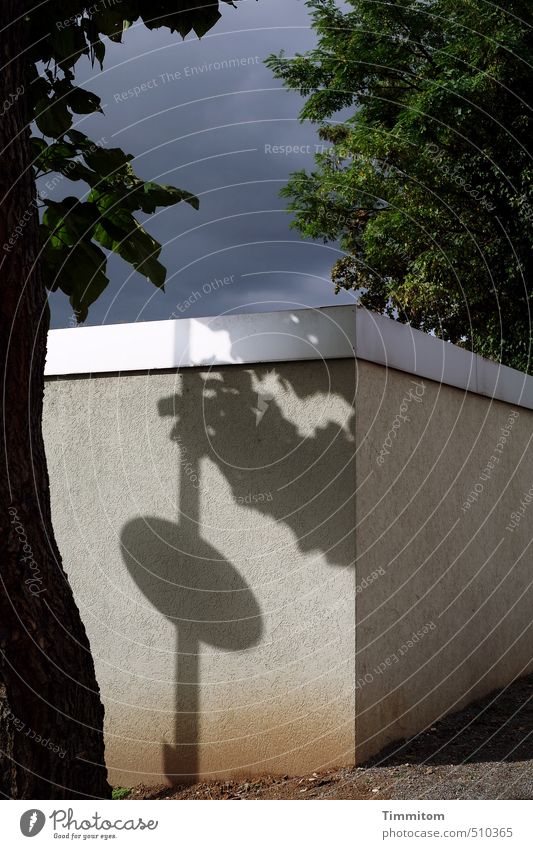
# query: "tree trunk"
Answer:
x=51 y=715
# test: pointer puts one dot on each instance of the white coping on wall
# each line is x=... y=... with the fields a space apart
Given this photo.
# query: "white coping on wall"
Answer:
x=269 y=337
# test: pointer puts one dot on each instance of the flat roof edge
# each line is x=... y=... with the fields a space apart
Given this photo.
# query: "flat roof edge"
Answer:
x=289 y=335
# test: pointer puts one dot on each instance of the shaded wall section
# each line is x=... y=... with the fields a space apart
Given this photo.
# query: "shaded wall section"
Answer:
x=206 y=521
x=444 y=509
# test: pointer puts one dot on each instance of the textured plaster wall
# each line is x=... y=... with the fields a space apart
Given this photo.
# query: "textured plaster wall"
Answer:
x=462 y=575
x=206 y=523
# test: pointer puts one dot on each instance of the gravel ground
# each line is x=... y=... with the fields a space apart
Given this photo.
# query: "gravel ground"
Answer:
x=482 y=752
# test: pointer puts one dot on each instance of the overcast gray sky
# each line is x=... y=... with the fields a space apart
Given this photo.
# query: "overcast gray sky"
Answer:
x=208 y=130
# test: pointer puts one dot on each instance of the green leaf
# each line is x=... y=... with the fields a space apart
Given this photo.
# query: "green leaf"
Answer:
x=54 y=224
x=75 y=170
x=152 y=195
x=83 y=102
x=106 y=161
x=77 y=270
x=110 y=23
x=99 y=52
x=109 y=234
x=153 y=271
x=121 y=232
x=40 y=89
x=70 y=220
x=52 y=117
x=87 y=265
x=38 y=146
x=205 y=20
x=68 y=44
x=80 y=139
x=54 y=157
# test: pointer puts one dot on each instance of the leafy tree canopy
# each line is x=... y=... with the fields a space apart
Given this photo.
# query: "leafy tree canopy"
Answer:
x=77 y=233
x=427 y=182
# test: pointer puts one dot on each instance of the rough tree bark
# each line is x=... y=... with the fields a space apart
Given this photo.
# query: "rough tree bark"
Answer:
x=51 y=715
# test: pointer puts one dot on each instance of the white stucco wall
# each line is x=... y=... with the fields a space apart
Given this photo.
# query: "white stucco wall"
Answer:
x=244 y=584
x=243 y=561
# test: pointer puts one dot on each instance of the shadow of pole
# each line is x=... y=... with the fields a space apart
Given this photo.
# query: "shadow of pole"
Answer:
x=188 y=580
x=199 y=591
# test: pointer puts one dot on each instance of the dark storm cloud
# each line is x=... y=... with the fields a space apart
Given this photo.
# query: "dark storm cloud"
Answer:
x=208 y=116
